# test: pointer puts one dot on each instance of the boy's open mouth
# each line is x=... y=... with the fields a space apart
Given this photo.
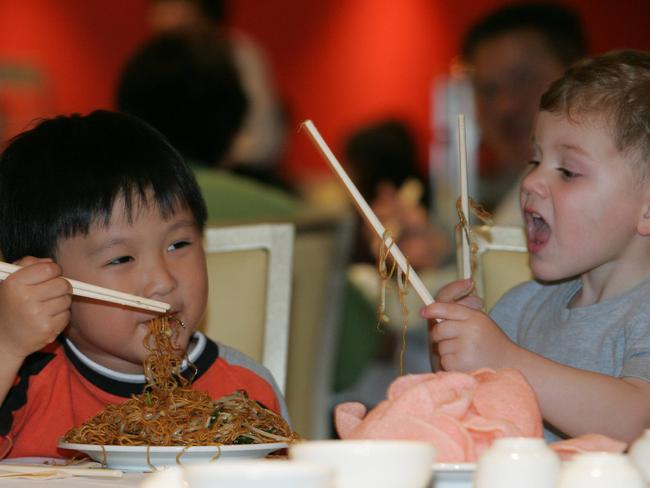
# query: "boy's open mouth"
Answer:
x=537 y=230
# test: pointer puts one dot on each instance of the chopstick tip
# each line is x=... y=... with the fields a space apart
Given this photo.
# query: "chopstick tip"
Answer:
x=304 y=123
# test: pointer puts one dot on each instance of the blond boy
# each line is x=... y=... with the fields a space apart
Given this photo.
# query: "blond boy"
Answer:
x=580 y=332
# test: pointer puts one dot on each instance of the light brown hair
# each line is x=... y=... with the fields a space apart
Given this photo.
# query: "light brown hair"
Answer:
x=615 y=86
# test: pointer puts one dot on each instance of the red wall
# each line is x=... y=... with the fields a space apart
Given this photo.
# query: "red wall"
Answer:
x=78 y=46
x=338 y=62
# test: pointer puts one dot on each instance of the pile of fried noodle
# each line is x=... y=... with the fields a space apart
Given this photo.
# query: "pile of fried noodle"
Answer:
x=170 y=413
x=386 y=272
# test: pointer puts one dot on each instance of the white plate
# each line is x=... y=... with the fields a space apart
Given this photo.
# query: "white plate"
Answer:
x=134 y=458
x=453 y=475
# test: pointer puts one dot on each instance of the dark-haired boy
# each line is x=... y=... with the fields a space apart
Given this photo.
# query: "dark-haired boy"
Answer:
x=103 y=199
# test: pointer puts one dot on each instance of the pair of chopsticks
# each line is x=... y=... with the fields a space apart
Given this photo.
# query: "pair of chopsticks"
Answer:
x=87 y=290
x=367 y=213
x=374 y=222
x=9 y=470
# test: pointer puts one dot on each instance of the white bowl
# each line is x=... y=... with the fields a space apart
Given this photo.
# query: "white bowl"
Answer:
x=166 y=478
x=267 y=473
x=513 y=462
x=600 y=470
x=639 y=454
x=376 y=463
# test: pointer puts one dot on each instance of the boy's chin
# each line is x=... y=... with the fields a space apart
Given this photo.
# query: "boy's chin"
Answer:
x=545 y=273
x=551 y=277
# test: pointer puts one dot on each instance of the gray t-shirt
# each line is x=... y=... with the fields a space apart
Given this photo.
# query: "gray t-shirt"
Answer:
x=611 y=337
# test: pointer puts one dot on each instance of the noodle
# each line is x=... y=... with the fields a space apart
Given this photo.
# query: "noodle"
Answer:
x=170 y=413
x=385 y=274
x=386 y=271
x=464 y=226
x=402 y=290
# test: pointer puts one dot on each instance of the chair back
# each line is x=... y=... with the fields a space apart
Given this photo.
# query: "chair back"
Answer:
x=501 y=260
x=321 y=254
x=249 y=272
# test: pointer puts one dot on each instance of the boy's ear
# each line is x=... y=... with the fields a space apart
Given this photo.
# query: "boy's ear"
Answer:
x=643 y=226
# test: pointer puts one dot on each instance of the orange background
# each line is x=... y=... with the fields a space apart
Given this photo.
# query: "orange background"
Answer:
x=339 y=62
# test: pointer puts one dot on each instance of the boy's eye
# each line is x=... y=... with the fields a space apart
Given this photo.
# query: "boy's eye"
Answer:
x=532 y=164
x=178 y=245
x=120 y=260
x=566 y=174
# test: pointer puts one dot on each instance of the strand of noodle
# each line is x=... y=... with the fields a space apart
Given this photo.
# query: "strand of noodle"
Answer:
x=217 y=454
x=402 y=290
x=180 y=453
x=464 y=226
x=385 y=274
x=153 y=468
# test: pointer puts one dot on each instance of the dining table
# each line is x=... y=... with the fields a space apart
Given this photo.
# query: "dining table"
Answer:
x=38 y=473
x=446 y=475
x=128 y=480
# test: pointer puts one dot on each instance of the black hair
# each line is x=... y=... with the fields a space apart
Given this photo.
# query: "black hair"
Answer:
x=63 y=175
x=383 y=151
x=188 y=87
x=215 y=10
x=559 y=26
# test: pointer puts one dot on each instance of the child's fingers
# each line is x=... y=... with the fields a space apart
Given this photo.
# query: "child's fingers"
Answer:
x=472 y=301
x=35 y=273
x=455 y=290
x=29 y=260
x=60 y=321
x=56 y=306
x=444 y=331
x=448 y=359
x=446 y=311
x=447 y=348
x=54 y=288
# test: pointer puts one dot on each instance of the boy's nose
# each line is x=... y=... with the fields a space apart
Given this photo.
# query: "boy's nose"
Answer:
x=160 y=281
x=534 y=182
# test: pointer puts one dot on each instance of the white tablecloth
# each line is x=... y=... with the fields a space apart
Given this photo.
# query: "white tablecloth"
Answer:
x=129 y=480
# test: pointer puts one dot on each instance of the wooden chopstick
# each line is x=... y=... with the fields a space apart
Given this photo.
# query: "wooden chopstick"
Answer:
x=71 y=470
x=367 y=212
x=87 y=290
x=464 y=197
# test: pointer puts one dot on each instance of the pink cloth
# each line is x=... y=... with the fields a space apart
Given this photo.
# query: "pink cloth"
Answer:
x=566 y=449
x=461 y=414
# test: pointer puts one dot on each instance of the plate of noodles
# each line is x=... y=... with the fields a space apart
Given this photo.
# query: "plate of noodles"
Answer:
x=171 y=423
x=151 y=458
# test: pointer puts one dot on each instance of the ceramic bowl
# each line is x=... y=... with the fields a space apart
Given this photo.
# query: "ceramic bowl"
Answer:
x=376 y=463
x=600 y=470
x=513 y=462
x=262 y=473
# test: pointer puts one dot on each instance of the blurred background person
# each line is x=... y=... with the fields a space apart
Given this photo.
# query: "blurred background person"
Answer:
x=382 y=160
x=259 y=143
x=512 y=56
x=187 y=86
x=509 y=57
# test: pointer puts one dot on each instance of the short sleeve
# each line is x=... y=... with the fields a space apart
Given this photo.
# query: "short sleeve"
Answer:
x=636 y=361
x=508 y=311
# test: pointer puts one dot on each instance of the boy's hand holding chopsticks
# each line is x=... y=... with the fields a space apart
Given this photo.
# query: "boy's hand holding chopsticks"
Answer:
x=38 y=299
